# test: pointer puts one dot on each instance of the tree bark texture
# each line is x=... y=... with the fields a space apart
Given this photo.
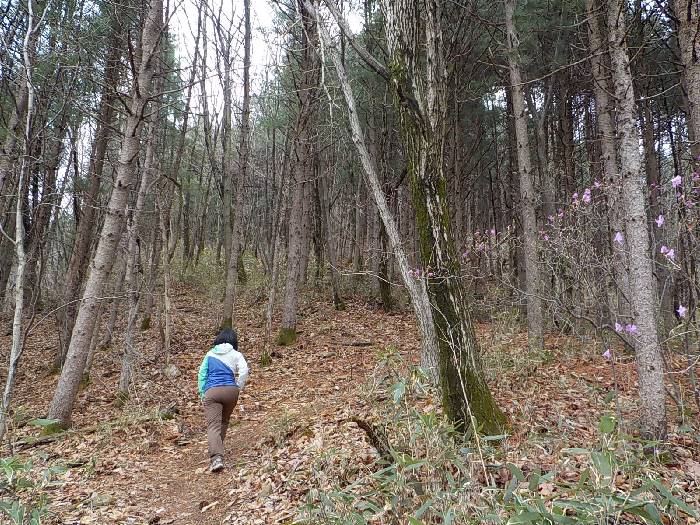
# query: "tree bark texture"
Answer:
x=302 y=162
x=650 y=365
x=528 y=200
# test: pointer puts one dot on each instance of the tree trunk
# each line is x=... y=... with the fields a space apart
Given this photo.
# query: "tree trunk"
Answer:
x=528 y=201
x=151 y=285
x=227 y=159
x=234 y=260
x=17 y=331
x=357 y=238
x=7 y=154
x=75 y=273
x=164 y=214
x=302 y=168
x=650 y=365
x=62 y=404
x=416 y=289
x=277 y=240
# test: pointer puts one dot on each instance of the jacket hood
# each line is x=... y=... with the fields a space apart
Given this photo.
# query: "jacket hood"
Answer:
x=223 y=348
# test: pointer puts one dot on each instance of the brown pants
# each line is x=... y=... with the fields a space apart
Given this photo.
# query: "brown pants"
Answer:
x=219 y=403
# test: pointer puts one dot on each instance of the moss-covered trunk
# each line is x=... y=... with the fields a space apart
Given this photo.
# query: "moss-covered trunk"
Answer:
x=420 y=102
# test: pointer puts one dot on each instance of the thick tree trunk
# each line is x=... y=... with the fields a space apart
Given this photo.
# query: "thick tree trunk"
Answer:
x=302 y=169
x=528 y=201
x=650 y=366
x=62 y=404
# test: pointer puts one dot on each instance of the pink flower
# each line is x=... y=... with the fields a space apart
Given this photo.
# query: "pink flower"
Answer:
x=431 y=274
x=587 y=195
x=492 y=232
x=660 y=221
x=631 y=328
x=669 y=253
x=681 y=310
x=695 y=176
x=597 y=184
x=676 y=181
x=607 y=354
x=618 y=327
x=618 y=238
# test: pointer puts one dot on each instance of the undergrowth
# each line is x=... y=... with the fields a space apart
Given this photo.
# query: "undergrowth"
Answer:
x=24 y=487
x=430 y=474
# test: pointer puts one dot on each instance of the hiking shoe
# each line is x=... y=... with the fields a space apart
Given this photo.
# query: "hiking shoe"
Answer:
x=217 y=464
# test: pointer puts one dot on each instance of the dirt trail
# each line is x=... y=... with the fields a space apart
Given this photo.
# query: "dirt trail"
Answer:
x=154 y=471
x=315 y=376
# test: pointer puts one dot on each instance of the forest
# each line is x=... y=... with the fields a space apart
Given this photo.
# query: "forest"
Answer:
x=453 y=243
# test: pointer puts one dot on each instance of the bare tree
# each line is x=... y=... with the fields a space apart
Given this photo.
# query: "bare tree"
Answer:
x=528 y=200
x=650 y=364
x=62 y=404
x=301 y=172
x=238 y=201
x=17 y=330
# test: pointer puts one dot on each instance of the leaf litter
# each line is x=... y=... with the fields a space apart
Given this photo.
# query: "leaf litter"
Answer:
x=145 y=462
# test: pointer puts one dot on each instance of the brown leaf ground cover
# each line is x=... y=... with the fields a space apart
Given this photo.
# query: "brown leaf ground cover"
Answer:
x=135 y=464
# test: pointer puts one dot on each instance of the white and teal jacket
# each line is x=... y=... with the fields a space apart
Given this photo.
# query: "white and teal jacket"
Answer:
x=222 y=366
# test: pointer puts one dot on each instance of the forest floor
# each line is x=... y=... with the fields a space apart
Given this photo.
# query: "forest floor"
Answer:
x=134 y=464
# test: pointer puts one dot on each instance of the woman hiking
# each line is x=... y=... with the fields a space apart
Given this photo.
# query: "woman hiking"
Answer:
x=222 y=376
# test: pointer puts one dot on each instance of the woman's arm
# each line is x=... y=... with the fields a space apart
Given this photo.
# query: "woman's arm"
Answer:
x=202 y=376
x=241 y=369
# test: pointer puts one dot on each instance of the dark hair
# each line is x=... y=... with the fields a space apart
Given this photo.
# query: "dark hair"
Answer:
x=227 y=336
